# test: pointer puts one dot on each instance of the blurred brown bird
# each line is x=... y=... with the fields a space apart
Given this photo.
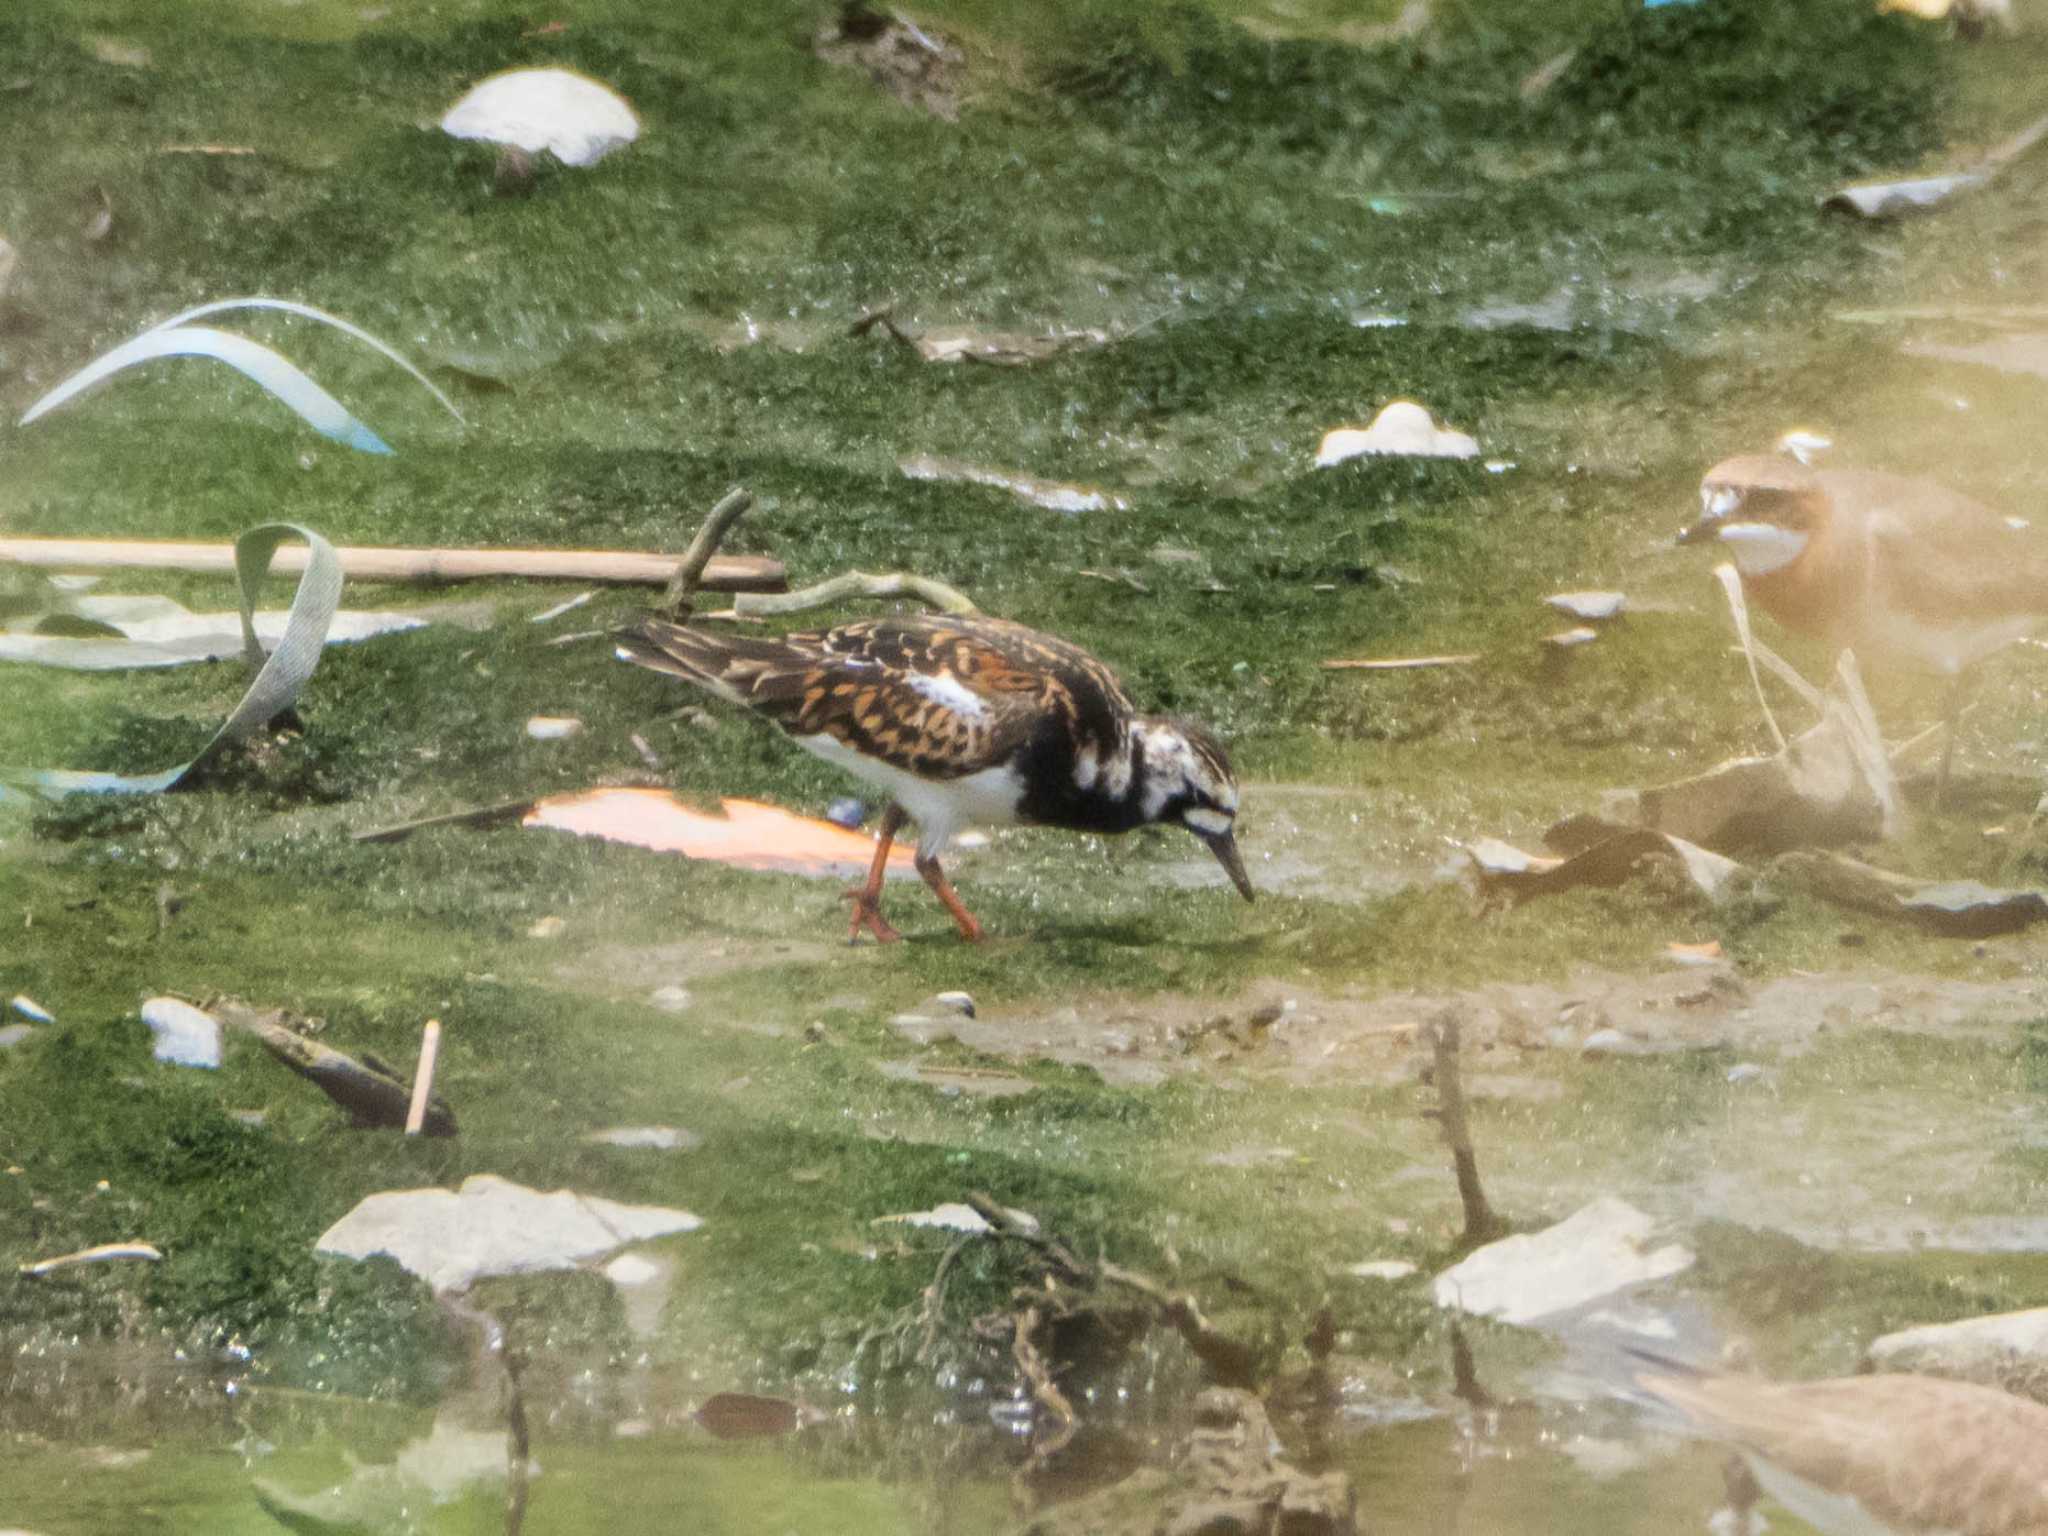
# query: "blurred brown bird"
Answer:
x=1867 y=1455
x=1900 y=570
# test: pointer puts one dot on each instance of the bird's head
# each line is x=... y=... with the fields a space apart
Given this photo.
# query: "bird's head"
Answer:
x=1766 y=510
x=1187 y=779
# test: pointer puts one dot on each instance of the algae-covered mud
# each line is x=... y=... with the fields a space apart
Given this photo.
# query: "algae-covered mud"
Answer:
x=1054 y=305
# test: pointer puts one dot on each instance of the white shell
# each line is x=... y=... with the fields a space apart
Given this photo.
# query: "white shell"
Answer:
x=1402 y=428
x=577 y=119
x=553 y=727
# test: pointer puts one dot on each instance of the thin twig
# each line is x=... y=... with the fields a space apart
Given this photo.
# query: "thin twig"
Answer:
x=682 y=586
x=1481 y=1224
x=518 y=1444
x=1048 y=1395
x=933 y=1305
x=855 y=584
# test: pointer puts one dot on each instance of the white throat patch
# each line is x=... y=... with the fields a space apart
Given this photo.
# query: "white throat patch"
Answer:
x=1761 y=548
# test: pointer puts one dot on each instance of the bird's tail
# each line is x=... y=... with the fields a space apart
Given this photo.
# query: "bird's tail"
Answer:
x=760 y=674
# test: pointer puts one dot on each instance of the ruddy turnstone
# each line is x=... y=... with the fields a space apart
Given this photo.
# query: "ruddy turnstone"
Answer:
x=1867 y=1455
x=1901 y=570
x=961 y=721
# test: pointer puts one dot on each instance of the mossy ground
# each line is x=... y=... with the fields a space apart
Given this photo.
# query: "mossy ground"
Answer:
x=1237 y=202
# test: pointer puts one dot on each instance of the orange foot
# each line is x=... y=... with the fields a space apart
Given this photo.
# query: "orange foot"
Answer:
x=867 y=913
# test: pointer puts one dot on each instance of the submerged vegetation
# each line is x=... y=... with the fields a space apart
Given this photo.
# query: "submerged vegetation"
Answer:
x=1611 y=281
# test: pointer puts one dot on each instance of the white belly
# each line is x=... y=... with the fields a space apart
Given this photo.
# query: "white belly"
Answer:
x=940 y=807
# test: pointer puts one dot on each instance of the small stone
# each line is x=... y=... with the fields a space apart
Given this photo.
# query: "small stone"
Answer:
x=1588 y=607
x=670 y=999
x=553 y=727
x=547 y=928
x=922 y=1029
x=847 y=812
x=1745 y=1072
x=14 y=1034
x=253 y=1118
x=36 y=1013
x=1608 y=1042
x=185 y=1036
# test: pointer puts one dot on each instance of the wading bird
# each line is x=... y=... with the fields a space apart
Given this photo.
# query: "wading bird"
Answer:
x=1899 y=570
x=960 y=721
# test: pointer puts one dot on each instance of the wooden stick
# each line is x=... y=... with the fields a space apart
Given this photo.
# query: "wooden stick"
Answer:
x=727 y=573
x=856 y=584
x=423 y=1077
x=1398 y=663
x=688 y=577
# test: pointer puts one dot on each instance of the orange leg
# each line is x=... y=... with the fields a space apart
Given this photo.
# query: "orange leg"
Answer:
x=935 y=877
x=867 y=901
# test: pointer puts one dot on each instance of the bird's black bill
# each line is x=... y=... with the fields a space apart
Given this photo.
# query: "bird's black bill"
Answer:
x=1693 y=533
x=1224 y=846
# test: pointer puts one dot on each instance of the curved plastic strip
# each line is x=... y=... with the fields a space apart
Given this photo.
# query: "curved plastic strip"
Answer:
x=279 y=676
x=290 y=307
x=283 y=378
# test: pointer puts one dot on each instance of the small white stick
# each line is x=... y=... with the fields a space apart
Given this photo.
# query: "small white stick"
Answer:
x=1731 y=584
x=423 y=1077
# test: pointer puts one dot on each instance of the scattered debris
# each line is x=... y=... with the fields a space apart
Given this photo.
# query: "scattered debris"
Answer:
x=743 y=1416
x=104 y=1253
x=553 y=727
x=1230 y=1479
x=1402 y=428
x=654 y=1138
x=934 y=594
x=1049 y=494
x=748 y=834
x=372 y=1093
x=1694 y=954
x=1955 y=908
x=567 y=605
x=2006 y=1349
x=1600 y=1249
x=185 y=1036
x=1609 y=861
x=920 y=69
x=555 y=111
x=1382 y=1269
x=36 y=1013
x=137 y=632
x=1005 y=349
x=1890 y=199
x=1400 y=663
x=423 y=1077
x=1591 y=607
x=549 y=927
x=1571 y=639
x=177 y=337
x=730 y=573
x=491 y=1226
x=954 y=1217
